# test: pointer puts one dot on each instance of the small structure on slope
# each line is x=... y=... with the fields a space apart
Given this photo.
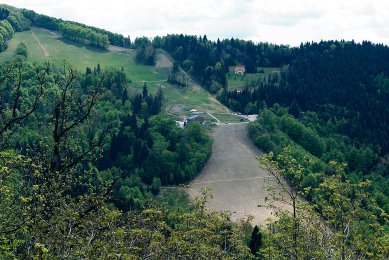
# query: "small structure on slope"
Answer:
x=240 y=70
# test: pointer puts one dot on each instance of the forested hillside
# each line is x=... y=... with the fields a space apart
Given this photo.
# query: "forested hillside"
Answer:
x=84 y=161
x=332 y=119
x=334 y=123
x=76 y=31
x=330 y=172
x=80 y=155
x=13 y=19
x=209 y=61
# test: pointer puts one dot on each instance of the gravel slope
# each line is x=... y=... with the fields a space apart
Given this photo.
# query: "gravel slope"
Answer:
x=233 y=174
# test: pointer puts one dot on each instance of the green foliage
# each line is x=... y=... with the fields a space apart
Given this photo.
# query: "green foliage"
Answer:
x=208 y=62
x=146 y=55
x=155 y=186
x=348 y=210
x=56 y=198
x=2 y=42
x=11 y=21
x=304 y=136
x=175 y=199
x=76 y=31
x=178 y=77
x=157 y=149
x=274 y=130
x=4 y=13
x=255 y=241
x=350 y=229
x=83 y=35
x=9 y=31
x=21 y=50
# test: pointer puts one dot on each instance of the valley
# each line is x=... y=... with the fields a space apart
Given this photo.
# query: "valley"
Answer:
x=176 y=100
x=233 y=175
x=186 y=146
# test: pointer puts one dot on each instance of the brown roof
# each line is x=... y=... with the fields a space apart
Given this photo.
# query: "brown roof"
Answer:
x=240 y=68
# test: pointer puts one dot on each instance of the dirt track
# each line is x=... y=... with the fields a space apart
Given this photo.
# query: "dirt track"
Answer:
x=233 y=174
x=45 y=52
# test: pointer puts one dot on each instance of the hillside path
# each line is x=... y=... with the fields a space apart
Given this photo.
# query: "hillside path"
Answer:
x=214 y=117
x=233 y=174
x=45 y=52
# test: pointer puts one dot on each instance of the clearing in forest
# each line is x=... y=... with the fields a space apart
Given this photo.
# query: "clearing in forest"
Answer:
x=233 y=174
x=44 y=45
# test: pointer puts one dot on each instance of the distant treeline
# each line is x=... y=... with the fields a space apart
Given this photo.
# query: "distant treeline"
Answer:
x=343 y=81
x=13 y=20
x=209 y=61
x=76 y=31
x=83 y=35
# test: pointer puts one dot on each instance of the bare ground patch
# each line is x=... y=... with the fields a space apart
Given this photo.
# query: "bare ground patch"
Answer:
x=162 y=61
x=113 y=48
x=233 y=174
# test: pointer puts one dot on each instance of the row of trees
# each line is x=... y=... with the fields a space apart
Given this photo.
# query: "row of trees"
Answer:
x=76 y=31
x=83 y=35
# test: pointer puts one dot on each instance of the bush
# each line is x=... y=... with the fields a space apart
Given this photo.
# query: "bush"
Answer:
x=21 y=50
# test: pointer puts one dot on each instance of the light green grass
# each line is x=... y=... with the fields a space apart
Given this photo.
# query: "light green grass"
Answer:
x=81 y=56
x=240 y=81
x=229 y=118
x=177 y=100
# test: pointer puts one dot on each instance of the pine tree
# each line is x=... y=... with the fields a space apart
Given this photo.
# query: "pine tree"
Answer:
x=256 y=240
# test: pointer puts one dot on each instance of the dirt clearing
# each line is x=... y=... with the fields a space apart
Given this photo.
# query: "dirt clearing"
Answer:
x=162 y=61
x=233 y=174
x=113 y=48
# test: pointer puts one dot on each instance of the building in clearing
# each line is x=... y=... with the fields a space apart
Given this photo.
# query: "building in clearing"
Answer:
x=240 y=70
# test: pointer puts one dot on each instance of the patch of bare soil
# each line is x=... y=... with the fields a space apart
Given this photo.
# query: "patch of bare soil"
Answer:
x=118 y=49
x=162 y=61
x=177 y=109
x=233 y=174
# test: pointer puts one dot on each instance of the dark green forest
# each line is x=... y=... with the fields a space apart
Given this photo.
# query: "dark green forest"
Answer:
x=86 y=165
x=78 y=150
x=336 y=107
x=329 y=107
x=208 y=61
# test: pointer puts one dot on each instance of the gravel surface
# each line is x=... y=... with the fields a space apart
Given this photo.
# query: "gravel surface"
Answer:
x=233 y=174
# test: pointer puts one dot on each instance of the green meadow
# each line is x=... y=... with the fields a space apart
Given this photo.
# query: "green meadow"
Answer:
x=48 y=46
x=240 y=81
